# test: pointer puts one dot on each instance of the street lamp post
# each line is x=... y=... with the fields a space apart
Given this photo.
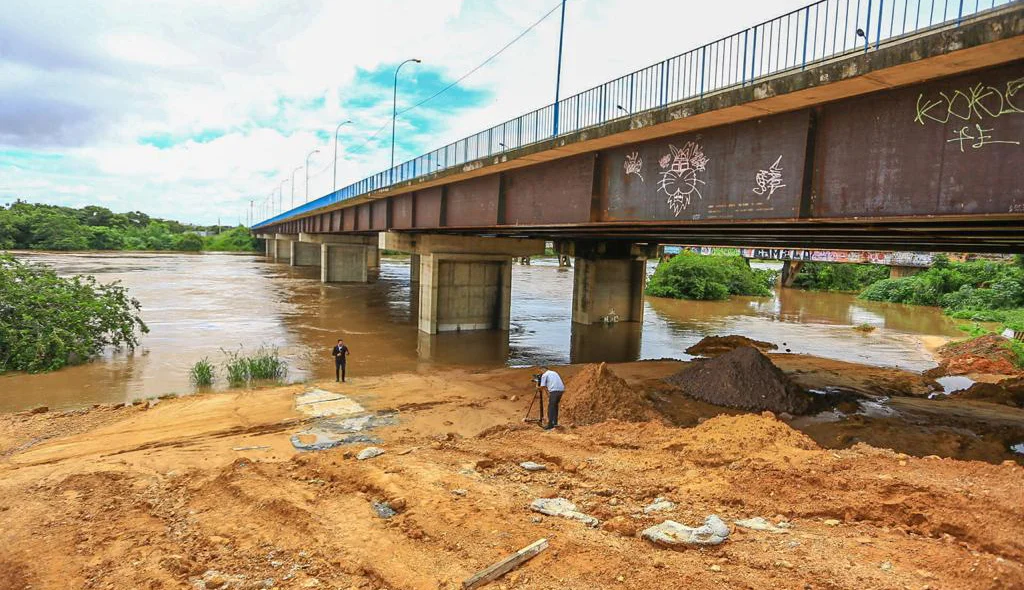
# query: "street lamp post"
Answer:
x=280 y=195
x=558 y=74
x=336 y=130
x=394 y=115
x=316 y=151
x=293 y=185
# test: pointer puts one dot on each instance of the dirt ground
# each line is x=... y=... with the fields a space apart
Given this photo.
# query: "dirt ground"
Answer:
x=208 y=492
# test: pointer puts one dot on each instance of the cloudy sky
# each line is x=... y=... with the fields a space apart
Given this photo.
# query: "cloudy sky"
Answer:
x=188 y=109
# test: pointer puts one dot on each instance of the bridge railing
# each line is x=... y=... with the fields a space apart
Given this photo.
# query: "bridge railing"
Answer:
x=818 y=32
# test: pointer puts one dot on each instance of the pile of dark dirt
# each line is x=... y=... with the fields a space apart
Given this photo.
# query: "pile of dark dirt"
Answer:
x=1009 y=392
x=743 y=378
x=716 y=345
x=596 y=394
x=986 y=354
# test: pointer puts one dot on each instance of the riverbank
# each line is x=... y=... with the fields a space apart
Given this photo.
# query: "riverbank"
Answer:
x=209 y=491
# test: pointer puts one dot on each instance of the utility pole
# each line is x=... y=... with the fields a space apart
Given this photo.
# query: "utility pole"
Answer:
x=558 y=73
x=293 y=185
x=250 y=212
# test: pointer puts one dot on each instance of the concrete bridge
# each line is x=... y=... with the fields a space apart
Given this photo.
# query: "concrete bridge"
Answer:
x=914 y=143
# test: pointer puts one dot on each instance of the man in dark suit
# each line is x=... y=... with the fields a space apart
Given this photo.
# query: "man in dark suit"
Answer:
x=340 y=353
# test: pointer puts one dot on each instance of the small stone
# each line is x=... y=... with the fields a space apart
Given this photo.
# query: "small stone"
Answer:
x=531 y=466
x=383 y=510
x=659 y=505
x=784 y=564
x=613 y=502
x=886 y=566
x=218 y=540
x=398 y=504
x=513 y=398
x=831 y=522
x=561 y=507
x=369 y=453
x=39 y=410
x=459 y=492
x=716 y=568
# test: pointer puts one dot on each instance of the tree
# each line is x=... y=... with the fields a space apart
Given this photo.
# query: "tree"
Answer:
x=47 y=321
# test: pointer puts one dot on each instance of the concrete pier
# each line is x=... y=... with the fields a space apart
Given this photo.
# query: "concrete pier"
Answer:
x=608 y=285
x=305 y=253
x=899 y=272
x=283 y=246
x=342 y=258
x=465 y=283
x=414 y=268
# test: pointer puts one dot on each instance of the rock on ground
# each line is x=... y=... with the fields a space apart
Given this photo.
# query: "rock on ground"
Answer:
x=672 y=534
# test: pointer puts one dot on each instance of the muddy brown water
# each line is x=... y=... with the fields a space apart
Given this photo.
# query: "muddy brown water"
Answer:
x=198 y=304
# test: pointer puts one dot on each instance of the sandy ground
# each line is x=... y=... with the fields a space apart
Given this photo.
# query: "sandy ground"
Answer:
x=176 y=495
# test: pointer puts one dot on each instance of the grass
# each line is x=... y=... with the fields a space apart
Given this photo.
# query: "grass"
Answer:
x=263 y=365
x=202 y=373
x=864 y=328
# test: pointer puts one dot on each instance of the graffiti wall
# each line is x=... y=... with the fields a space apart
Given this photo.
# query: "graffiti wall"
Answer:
x=919 y=259
x=949 y=147
x=749 y=170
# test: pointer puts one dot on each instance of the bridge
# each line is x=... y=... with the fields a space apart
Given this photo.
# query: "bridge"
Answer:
x=827 y=128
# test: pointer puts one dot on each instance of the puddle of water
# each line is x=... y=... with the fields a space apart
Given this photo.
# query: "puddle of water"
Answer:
x=952 y=384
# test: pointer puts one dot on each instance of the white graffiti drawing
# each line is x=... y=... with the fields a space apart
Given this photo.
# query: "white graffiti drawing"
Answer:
x=679 y=175
x=634 y=164
x=770 y=180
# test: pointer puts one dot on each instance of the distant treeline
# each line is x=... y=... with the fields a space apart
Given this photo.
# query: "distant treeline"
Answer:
x=29 y=226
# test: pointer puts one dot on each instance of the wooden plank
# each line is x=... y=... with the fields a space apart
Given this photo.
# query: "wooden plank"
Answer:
x=506 y=565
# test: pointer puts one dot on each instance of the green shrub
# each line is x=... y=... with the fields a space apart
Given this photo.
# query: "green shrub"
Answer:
x=202 y=373
x=188 y=242
x=692 y=276
x=47 y=321
x=263 y=365
x=829 y=276
x=236 y=239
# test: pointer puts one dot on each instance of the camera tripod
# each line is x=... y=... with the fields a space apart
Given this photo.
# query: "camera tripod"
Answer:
x=540 y=420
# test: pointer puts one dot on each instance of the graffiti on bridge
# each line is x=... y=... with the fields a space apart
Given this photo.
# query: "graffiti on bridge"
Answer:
x=975 y=104
x=680 y=175
x=919 y=259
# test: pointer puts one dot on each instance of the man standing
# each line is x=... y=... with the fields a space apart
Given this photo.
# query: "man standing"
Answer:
x=340 y=352
x=551 y=383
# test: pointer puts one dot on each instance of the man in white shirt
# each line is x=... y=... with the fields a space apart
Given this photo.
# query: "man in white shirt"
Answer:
x=551 y=384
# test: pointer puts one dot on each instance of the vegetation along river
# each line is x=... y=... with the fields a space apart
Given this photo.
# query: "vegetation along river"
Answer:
x=198 y=304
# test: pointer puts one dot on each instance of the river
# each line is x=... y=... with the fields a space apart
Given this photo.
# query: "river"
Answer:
x=198 y=304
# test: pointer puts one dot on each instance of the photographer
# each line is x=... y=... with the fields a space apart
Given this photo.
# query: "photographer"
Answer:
x=551 y=384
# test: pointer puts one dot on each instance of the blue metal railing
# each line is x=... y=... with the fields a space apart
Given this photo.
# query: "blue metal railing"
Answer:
x=815 y=33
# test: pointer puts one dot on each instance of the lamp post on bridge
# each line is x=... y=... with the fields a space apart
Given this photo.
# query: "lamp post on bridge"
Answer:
x=394 y=115
x=336 y=130
x=558 y=72
x=280 y=195
x=316 y=151
x=293 y=185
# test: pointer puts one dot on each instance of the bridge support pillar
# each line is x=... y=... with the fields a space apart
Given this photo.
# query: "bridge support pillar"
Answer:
x=609 y=282
x=271 y=247
x=790 y=268
x=465 y=283
x=342 y=258
x=414 y=268
x=283 y=246
x=898 y=272
x=305 y=254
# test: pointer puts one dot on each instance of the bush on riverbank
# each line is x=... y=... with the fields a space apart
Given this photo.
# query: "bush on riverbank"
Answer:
x=47 y=321
x=236 y=239
x=979 y=290
x=202 y=373
x=826 y=276
x=692 y=276
x=263 y=365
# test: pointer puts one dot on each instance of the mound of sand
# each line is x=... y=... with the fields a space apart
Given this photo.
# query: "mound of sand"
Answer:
x=716 y=345
x=727 y=439
x=596 y=394
x=987 y=354
x=743 y=378
x=1009 y=392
